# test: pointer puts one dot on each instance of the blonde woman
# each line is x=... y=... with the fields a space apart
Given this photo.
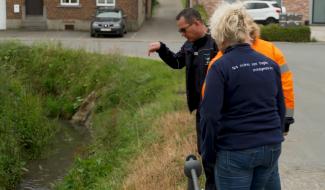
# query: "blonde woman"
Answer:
x=242 y=111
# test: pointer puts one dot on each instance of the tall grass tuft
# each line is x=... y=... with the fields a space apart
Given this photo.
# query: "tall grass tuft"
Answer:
x=24 y=129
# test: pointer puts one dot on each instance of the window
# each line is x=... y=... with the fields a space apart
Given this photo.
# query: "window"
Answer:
x=256 y=5
x=278 y=1
x=250 y=5
x=109 y=14
x=105 y=2
x=261 y=6
x=69 y=2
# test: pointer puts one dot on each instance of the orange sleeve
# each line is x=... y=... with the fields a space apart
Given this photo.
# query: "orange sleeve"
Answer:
x=219 y=54
x=287 y=82
x=271 y=51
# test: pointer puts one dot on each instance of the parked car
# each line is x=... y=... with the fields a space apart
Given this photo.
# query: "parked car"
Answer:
x=108 y=20
x=264 y=12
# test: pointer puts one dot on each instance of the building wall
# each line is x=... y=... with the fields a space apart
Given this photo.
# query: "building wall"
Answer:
x=62 y=17
x=148 y=9
x=10 y=9
x=130 y=8
x=298 y=6
x=56 y=11
x=14 y=20
x=58 y=16
x=318 y=11
x=141 y=11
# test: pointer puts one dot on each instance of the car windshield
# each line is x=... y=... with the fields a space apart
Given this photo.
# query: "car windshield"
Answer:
x=109 y=14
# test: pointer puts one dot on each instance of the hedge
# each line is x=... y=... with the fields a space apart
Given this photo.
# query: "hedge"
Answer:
x=274 y=32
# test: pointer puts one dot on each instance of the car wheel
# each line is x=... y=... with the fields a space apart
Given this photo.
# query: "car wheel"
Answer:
x=121 y=33
x=93 y=34
x=270 y=20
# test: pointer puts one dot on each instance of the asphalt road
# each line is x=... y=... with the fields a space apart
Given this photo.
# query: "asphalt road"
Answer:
x=303 y=158
x=302 y=162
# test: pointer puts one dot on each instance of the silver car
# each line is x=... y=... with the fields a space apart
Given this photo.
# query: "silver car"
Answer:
x=108 y=20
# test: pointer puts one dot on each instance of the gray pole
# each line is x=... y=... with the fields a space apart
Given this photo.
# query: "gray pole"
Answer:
x=192 y=170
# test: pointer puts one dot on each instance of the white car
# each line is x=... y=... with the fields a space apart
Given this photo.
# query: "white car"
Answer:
x=265 y=12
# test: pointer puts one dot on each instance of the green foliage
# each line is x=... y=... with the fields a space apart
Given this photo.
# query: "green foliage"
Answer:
x=184 y=3
x=154 y=5
x=57 y=74
x=141 y=92
x=36 y=82
x=202 y=11
x=274 y=32
x=24 y=130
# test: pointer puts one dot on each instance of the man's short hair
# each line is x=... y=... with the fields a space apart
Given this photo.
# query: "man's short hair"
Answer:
x=190 y=15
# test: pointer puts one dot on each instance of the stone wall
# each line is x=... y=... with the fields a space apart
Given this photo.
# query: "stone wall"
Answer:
x=298 y=6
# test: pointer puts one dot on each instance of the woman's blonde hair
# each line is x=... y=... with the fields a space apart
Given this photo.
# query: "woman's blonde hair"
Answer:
x=254 y=29
x=230 y=24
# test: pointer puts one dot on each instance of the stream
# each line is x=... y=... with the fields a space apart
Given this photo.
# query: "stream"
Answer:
x=43 y=173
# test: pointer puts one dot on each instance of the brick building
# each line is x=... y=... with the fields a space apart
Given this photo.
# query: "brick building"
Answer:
x=67 y=14
x=312 y=10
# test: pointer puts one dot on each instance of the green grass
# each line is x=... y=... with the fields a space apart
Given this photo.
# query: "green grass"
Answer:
x=24 y=129
x=184 y=3
x=145 y=91
x=50 y=82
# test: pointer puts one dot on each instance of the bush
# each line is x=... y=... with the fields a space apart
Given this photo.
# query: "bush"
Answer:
x=202 y=11
x=274 y=32
x=154 y=5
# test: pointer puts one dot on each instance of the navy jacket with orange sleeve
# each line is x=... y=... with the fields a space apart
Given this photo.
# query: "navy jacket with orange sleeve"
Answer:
x=271 y=51
x=243 y=106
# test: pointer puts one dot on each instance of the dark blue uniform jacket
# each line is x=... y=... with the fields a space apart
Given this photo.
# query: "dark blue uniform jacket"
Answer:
x=243 y=105
x=195 y=56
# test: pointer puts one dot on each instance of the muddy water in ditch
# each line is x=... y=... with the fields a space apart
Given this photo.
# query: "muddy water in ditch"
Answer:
x=44 y=173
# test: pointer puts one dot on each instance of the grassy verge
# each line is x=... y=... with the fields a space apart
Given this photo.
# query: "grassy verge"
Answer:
x=124 y=121
x=50 y=82
x=24 y=128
